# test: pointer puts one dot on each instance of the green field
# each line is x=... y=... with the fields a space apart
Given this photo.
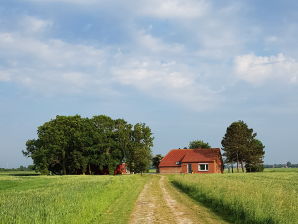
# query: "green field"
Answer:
x=268 y=197
x=67 y=199
x=281 y=170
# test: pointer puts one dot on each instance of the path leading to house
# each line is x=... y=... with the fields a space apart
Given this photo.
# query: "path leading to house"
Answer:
x=160 y=202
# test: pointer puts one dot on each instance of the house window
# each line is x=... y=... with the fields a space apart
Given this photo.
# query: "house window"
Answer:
x=203 y=167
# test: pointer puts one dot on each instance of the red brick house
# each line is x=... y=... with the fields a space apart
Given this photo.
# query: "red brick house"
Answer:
x=192 y=161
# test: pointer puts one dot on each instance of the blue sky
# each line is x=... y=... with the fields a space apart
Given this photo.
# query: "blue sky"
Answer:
x=188 y=69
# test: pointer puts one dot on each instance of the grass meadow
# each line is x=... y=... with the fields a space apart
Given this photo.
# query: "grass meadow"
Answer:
x=268 y=197
x=67 y=199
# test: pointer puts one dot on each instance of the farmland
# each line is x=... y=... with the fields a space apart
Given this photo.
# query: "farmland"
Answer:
x=268 y=197
x=68 y=199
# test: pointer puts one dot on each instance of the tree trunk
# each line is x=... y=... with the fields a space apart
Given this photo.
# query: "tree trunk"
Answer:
x=237 y=166
x=242 y=166
x=64 y=168
x=237 y=163
x=63 y=163
x=89 y=169
x=232 y=168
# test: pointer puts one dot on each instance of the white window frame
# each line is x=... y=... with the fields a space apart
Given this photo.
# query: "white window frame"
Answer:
x=199 y=167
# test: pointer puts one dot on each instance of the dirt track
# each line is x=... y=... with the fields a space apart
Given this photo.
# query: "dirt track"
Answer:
x=159 y=202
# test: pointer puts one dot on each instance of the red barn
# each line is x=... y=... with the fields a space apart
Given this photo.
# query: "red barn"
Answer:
x=120 y=169
x=192 y=161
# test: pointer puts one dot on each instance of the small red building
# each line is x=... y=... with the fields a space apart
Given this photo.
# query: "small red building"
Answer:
x=192 y=161
x=120 y=169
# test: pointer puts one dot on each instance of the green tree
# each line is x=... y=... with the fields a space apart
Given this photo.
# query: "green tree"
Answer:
x=38 y=154
x=289 y=164
x=75 y=145
x=31 y=167
x=123 y=137
x=254 y=158
x=142 y=160
x=199 y=144
x=59 y=144
x=156 y=160
x=105 y=155
x=139 y=155
x=240 y=146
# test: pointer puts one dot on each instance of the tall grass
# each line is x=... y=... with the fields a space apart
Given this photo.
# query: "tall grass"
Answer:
x=246 y=198
x=68 y=199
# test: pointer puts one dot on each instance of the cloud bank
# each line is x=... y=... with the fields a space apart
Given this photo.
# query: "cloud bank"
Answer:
x=259 y=69
x=186 y=52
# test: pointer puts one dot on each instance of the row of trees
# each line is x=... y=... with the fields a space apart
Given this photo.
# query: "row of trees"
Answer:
x=281 y=165
x=21 y=168
x=76 y=145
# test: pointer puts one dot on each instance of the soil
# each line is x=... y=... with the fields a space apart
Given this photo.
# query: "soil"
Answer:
x=160 y=202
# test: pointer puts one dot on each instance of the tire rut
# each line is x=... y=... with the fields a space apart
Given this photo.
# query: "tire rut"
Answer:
x=178 y=211
x=145 y=206
x=159 y=202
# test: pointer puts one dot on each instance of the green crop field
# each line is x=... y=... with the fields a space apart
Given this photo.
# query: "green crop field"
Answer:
x=67 y=199
x=268 y=197
x=281 y=170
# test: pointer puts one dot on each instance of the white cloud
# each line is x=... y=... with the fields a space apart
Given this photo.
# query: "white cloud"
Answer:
x=219 y=42
x=182 y=9
x=258 y=69
x=170 y=81
x=82 y=2
x=4 y=76
x=35 y=25
x=271 y=39
x=49 y=65
x=155 y=44
x=54 y=66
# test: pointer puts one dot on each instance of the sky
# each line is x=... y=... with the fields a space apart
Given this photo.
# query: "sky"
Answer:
x=186 y=68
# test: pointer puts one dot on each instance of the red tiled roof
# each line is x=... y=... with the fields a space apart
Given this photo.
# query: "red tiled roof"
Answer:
x=175 y=155
x=189 y=155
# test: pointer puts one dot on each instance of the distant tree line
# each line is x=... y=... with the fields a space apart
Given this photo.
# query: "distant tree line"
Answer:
x=76 y=145
x=281 y=165
x=21 y=168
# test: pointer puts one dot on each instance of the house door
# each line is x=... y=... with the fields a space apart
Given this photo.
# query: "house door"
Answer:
x=189 y=168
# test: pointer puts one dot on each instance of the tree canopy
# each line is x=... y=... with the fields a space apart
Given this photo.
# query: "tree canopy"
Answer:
x=76 y=145
x=241 y=146
x=199 y=144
